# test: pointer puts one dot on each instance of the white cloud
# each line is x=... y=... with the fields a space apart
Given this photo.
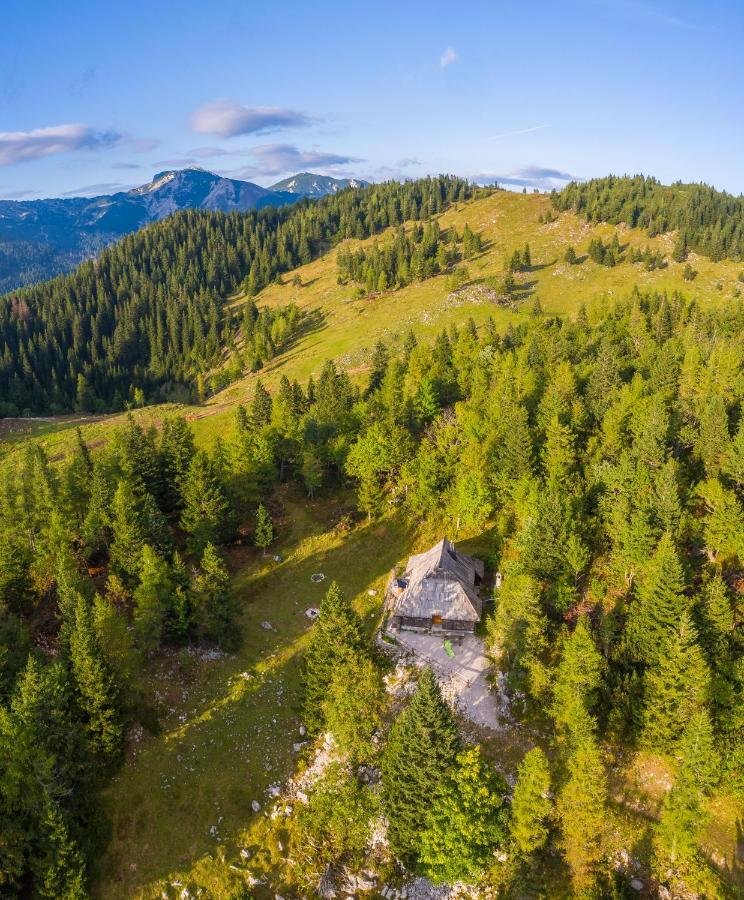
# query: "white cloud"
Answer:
x=273 y=159
x=530 y=176
x=447 y=58
x=506 y=134
x=225 y=118
x=23 y=146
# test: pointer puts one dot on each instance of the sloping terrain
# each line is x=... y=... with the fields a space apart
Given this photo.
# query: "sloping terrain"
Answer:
x=42 y=238
x=181 y=806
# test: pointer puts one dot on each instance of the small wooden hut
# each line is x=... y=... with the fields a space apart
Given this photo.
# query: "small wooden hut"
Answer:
x=438 y=592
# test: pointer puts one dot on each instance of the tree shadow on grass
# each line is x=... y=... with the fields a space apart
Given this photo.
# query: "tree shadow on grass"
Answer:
x=186 y=795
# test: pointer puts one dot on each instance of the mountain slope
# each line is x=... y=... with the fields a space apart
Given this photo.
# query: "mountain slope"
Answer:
x=43 y=238
x=306 y=184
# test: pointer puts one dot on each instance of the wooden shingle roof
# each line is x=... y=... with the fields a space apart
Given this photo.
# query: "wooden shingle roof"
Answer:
x=441 y=582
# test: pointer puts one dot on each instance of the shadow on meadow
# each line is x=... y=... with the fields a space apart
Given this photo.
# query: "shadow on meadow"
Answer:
x=182 y=802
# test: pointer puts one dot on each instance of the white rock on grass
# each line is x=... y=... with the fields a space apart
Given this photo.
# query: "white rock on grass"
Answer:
x=255 y=806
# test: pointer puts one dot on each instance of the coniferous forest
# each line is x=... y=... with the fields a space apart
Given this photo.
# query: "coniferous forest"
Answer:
x=147 y=314
x=605 y=458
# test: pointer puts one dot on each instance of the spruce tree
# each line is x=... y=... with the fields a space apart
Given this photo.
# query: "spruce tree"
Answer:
x=152 y=598
x=420 y=755
x=214 y=603
x=205 y=504
x=531 y=804
x=676 y=687
x=260 y=406
x=337 y=633
x=354 y=704
x=467 y=821
x=659 y=603
x=95 y=687
x=580 y=809
x=264 y=531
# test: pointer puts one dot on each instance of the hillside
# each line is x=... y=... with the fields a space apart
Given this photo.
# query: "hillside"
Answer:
x=593 y=457
x=42 y=238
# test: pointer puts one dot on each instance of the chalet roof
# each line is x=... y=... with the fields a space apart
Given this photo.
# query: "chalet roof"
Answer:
x=441 y=582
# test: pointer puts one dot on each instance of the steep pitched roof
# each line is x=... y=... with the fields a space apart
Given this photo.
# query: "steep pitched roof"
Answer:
x=441 y=582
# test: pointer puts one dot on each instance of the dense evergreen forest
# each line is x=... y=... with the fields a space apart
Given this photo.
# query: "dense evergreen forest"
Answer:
x=605 y=460
x=709 y=222
x=147 y=313
x=422 y=253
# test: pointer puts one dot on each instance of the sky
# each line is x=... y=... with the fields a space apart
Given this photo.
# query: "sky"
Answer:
x=97 y=97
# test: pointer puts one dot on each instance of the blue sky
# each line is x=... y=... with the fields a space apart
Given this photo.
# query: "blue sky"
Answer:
x=96 y=97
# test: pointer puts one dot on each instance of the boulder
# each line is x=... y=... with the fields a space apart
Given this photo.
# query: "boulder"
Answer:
x=255 y=806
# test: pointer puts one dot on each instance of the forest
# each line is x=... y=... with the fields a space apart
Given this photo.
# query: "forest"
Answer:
x=147 y=314
x=708 y=221
x=603 y=457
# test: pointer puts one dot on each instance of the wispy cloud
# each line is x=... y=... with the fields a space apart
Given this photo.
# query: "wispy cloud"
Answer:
x=175 y=162
x=126 y=165
x=15 y=195
x=530 y=176
x=225 y=118
x=274 y=159
x=651 y=14
x=505 y=134
x=447 y=58
x=210 y=152
x=23 y=146
x=96 y=190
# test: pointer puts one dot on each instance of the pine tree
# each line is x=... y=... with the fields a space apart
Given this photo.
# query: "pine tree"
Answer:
x=531 y=803
x=116 y=644
x=580 y=809
x=129 y=531
x=58 y=865
x=676 y=686
x=95 y=687
x=659 y=603
x=152 y=598
x=261 y=406
x=337 y=633
x=577 y=679
x=215 y=608
x=467 y=821
x=682 y=814
x=420 y=754
x=353 y=706
x=205 y=504
x=177 y=450
x=264 y=531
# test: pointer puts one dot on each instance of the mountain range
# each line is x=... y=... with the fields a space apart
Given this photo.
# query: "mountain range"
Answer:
x=42 y=238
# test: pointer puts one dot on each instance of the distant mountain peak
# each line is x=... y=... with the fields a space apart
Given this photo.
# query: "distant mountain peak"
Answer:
x=308 y=184
x=41 y=238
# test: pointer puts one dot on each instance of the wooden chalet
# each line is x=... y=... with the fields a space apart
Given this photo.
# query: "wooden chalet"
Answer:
x=438 y=592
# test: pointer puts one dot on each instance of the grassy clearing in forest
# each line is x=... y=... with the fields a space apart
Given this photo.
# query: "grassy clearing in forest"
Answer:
x=226 y=737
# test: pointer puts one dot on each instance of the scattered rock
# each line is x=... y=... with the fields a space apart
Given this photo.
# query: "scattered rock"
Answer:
x=317 y=577
x=664 y=892
x=636 y=884
x=303 y=731
x=255 y=806
x=312 y=613
x=372 y=592
x=297 y=746
x=267 y=626
x=246 y=854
